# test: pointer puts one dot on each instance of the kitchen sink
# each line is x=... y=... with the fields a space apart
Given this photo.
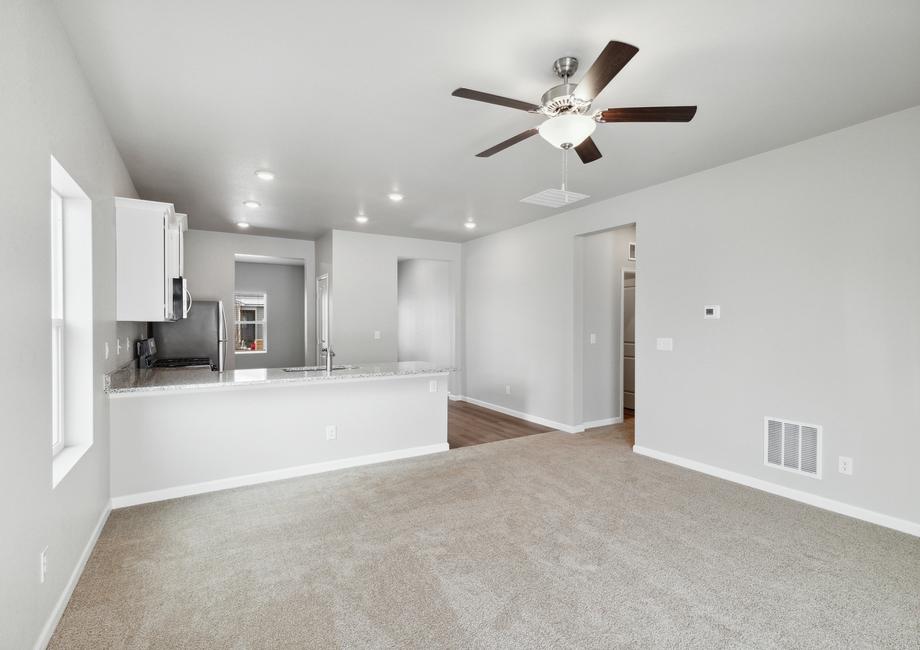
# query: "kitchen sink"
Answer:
x=317 y=368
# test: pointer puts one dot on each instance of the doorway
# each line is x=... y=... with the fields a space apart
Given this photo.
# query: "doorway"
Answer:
x=322 y=318
x=628 y=342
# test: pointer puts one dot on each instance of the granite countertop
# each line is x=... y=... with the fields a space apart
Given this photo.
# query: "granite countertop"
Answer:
x=129 y=381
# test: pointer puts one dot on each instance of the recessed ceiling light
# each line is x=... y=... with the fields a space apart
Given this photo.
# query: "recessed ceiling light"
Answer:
x=252 y=204
x=361 y=218
x=469 y=225
x=395 y=196
x=265 y=174
x=242 y=224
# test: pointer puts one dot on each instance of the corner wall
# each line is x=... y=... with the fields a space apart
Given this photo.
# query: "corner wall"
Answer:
x=811 y=251
x=47 y=109
x=364 y=291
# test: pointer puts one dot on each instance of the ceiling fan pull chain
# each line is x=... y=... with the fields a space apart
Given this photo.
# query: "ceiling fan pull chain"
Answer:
x=565 y=167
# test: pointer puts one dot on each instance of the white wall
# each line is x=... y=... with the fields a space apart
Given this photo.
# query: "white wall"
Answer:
x=210 y=269
x=47 y=110
x=424 y=311
x=602 y=255
x=811 y=250
x=283 y=284
x=364 y=293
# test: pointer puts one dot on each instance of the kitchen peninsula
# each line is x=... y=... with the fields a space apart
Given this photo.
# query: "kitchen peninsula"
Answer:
x=176 y=432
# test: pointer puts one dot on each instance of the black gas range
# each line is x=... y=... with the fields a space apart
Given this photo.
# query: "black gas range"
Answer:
x=147 y=358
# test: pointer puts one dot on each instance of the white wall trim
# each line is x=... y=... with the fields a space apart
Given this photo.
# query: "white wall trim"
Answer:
x=902 y=525
x=602 y=423
x=44 y=638
x=536 y=419
x=272 y=475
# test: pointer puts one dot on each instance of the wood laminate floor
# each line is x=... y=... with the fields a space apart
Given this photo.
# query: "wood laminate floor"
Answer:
x=468 y=424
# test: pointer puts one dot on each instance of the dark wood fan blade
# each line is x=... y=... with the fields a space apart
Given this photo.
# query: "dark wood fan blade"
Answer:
x=606 y=67
x=488 y=98
x=649 y=114
x=588 y=151
x=501 y=146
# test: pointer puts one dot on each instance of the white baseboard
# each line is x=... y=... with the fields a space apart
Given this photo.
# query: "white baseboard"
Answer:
x=903 y=525
x=601 y=423
x=272 y=475
x=48 y=630
x=536 y=419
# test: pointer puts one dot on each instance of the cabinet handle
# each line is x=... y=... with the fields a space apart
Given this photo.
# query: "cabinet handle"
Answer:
x=188 y=294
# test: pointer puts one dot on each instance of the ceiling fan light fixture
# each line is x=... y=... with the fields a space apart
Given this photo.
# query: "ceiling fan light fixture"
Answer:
x=567 y=130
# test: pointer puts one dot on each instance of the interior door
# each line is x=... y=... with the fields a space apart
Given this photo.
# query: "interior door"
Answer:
x=322 y=318
x=629 y=340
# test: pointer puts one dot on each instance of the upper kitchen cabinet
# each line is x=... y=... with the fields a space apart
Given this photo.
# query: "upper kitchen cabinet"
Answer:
x=150 y=261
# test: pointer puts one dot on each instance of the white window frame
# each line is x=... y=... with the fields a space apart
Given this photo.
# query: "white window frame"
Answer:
x=263 y=321
x=57 y=323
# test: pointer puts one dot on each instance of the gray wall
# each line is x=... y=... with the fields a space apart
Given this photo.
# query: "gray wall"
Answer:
x=811 y=251
x=47 y=110
x=284 y=286
x=209 y=266
x=603 y=255
x=364 y=293
x=424 y=311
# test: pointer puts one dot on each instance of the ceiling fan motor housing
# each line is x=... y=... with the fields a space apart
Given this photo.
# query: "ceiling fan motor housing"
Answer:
x=560 y=99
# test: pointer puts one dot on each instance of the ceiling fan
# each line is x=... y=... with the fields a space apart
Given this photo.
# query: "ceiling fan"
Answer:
x=570 y=122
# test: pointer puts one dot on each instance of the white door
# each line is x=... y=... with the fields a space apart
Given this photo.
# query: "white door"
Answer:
x=322 y=318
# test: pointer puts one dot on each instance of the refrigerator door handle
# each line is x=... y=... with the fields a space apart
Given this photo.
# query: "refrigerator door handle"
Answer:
x=222 y=337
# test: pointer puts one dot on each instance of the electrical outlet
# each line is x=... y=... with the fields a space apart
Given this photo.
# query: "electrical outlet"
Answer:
x=433 y=386
x=43 y=565
x=845 y=465
x=128 y=344
x=106 y=349
x=118 y=347
x=665 y=345
x=376 y=334
x=592 y=338
x=507 y=389
x=331 y=432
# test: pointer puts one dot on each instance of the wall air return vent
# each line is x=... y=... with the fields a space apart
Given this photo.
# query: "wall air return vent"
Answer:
x=792 y=446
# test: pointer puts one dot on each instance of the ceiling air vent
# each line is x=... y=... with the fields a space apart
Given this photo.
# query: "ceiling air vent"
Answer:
x=553 y=198
x=792 y=446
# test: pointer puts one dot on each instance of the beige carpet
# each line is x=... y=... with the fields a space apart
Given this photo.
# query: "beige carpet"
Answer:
x=553 y=540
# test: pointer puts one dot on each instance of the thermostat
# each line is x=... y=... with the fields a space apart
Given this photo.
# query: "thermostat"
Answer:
x=711 y=311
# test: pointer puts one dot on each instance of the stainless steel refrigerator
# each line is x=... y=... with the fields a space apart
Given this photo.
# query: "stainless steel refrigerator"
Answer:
x=203 y=333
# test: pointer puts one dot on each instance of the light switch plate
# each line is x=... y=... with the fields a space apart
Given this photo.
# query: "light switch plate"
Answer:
x=376 y=334
x=592 y=338
x=331 y=432
x=433 y=386
x=665 y=344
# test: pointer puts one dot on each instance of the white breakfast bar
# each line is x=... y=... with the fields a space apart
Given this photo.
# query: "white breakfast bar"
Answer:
x=176 y=432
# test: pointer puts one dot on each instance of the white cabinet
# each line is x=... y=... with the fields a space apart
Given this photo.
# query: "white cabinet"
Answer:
x=149 y=243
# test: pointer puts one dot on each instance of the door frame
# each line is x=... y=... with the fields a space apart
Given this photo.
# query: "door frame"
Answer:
x=319 y=315
x=623 y=271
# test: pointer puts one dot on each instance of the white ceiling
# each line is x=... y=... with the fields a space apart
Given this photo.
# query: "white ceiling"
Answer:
x=346 y=101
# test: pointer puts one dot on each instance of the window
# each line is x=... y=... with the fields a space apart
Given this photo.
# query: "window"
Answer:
x=57 y=323
x=251 y=322
x=73 y=390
